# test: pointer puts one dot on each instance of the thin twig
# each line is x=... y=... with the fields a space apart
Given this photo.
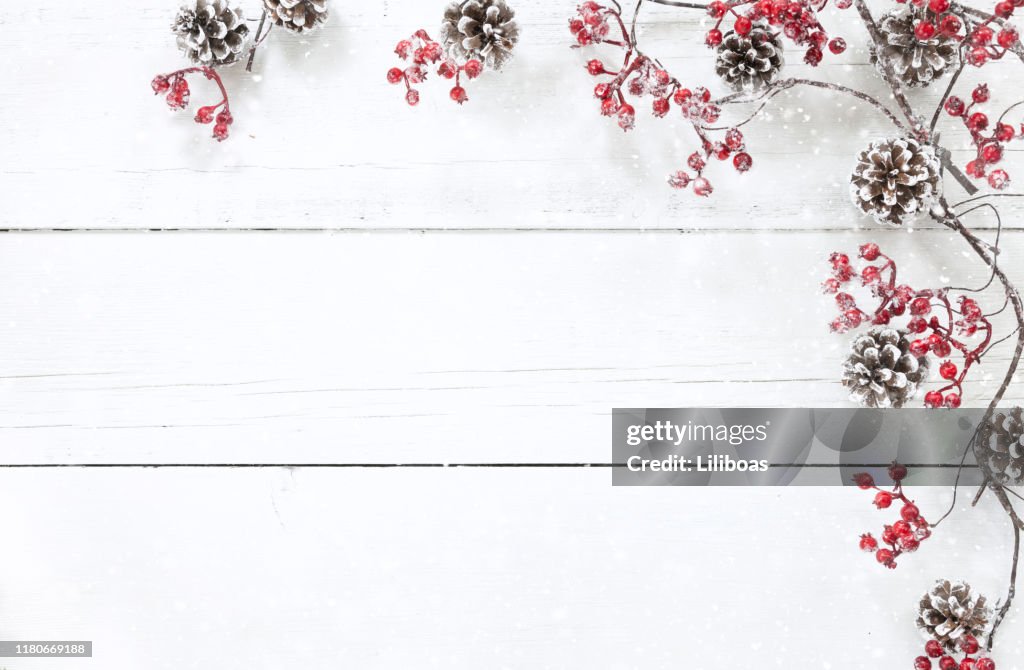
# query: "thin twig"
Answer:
x=257 y=40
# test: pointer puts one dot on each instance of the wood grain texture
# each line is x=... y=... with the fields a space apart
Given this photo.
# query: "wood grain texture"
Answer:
x=411 y=346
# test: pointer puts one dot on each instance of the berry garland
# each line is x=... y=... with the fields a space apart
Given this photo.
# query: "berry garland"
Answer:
x=897 y=180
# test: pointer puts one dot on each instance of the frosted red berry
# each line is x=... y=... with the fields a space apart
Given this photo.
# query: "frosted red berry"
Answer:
x=922 y=663
x=883 y=499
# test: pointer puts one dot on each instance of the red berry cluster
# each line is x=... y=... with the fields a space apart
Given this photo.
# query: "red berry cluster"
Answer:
x=424 y=52
x=641 y=76
x=798 y=20
x=985 y=41
x=941 y=326
x=175 y=85
x=969 y=645
x=989 y=146
x=903 y=536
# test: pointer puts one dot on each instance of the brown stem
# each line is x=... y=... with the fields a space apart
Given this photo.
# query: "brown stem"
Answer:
x=1012 y=591
x=257 y=40
x=676 y=3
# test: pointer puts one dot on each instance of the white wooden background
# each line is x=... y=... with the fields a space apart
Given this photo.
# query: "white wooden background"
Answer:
x=348 y=279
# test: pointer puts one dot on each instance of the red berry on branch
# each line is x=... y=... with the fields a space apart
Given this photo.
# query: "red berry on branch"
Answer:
x=1004 y=132
x=837 y=45
x=602 y=91
x=220 y=132
x=920 y=306
x=985 y=664
x=702 y=187
x=660 y=107
x=160 y=84
x=955 y=106
x=829 y=285
x=933 y=399
x=679 y=180
x=864 y=481
x=1008 y=37
x=881 y=319
x=412 y=97
x=205 y=115
x=967 y=664
x=458 y=94
x=713 y=38
x=813 y=56
x=948 y=370
x=969 y=644
x=595 y=67
x=743 y=26
x=734 y=139
x=627 y=117
x=976 y=169
x=982 y=36
x=952 y=400
x=992 y=153
x=885 y=557
x=933 y=648
x=977 y=56
x=910 y=512
x=868 y=543
x=1004 y=10
x=950 y=25
x=948 y=663
x=870 y=251
x=922 y=663
x=870 y=275
x=473 y=68
x=395 y=75
x=897 y=472
x=609 y=106
x=980 y=94
x=999 y=179
x=883 y=500
x=717 y=9
x=938 y=6
x=924 y=30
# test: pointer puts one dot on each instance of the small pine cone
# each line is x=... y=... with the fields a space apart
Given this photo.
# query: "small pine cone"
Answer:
x=211 y=32
x=914 y=62
x=895 y=179
x=950 y=611
x=749 y=63
x=1000 y=447
x=881 y=371
x=297 y=15
x=481 y=29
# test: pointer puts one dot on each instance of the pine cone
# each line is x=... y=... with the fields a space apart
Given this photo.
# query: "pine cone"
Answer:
x=950 y=611
x=880 y=371
x=297 y=15
x=1000 y=447
x=211 y=32
x=894 y=179
x=481 y=29
x=749 y=63
x=914 y=62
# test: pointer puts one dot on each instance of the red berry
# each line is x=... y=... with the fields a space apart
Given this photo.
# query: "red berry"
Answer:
x=969 y=644
x=864 y=481
x=627 y=117
x=161 y=84
x=938 y=6
x=412 y=96
x=998 y=179
x=952 y=400
x=985 y=664
x=595 y=67
x=981 y=36
x=950 y=25
x=897 y=472
x=395 y=75
x=205 y=115
x=720 y=151
x=902 y=529
x=933 y=399
x=925 y=30
x=575 y=26
x=473 y=68
x=713 y=38
x=220 y=132
x=1004 y=10
x=813 y=56
x=742 y=162
x=881 y=319
x=717 y=9
x=922 y=663
x=883 y=500
x=609 y=106
x=910 y=512
x=885 y=557
x=868 y=543
x=977 y=121
x=941 y=348
x=992 y=153
x=948 y=663
x=829 y=285
x=838 y=259
x=743 y=26
x=602 y=91
x=948 y=370
x=976 y=169
x=702 y=187
x=967 y=664
x=1004 y=132
x=225 y=118
x=920 y=306
x=870 y=275
x=870 y=251
x=734 y=139
x=919 y=347
x=980 y=93
x=837 y=45
x=1008 y=37
x=977 y=56
x=660 y=107
x=180 y=86
x=955 y=106
x=679 y=180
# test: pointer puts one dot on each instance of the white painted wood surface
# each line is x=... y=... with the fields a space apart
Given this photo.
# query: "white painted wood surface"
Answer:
x=431 y=311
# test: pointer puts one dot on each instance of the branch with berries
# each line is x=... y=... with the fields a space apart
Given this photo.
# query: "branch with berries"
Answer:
x=214 y=34
x=475 y=35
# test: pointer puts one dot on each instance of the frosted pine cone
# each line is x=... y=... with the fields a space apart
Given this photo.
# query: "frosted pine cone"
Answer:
x=481 y=29
x=950 y=611
x=749 y=63
x=1000 y=447
x=881 y=371
x=211 y=32
x=895 y=179
x=914 y=61
x=297 y=15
